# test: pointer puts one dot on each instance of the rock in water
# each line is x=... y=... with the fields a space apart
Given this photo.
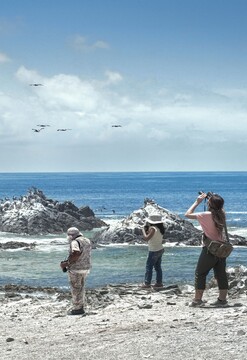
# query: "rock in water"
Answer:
x=35 y=214
x=177 y=230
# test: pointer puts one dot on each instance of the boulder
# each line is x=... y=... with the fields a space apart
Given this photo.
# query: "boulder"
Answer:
x=35 y=214
x=177 y=230
x=17 y=245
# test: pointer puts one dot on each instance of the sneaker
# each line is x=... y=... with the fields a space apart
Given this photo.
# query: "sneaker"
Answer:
x=158 y=286
x=145 y=286
x=196 y=303
x=77 y=312
x=219 y=303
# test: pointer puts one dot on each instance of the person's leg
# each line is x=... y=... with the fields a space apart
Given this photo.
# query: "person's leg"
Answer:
x=81 y=295
x=77 y=282
x=158 y=269
x=198 y=294
x=205 y=263
x=223 y=294
x=149 y=269
x=221 y=277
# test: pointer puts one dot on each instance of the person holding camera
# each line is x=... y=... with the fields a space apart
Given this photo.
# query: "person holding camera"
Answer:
x=212 y=222
x=153 y=232
x=78 y=266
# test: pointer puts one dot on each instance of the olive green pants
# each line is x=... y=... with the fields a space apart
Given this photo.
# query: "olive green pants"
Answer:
x=207 y=262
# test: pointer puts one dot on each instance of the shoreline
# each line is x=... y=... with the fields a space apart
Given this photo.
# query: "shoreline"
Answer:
x=124 y=322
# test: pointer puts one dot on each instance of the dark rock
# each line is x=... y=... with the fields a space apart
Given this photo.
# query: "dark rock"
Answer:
x=86 y=211
x=35 y=214
x=102 y=297
x=16 y=245
x=9 y=339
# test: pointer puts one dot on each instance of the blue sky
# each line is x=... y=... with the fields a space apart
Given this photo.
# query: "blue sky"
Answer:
x=172 y=73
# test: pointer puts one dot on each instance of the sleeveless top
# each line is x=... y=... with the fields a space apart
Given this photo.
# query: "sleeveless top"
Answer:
x=155 y=243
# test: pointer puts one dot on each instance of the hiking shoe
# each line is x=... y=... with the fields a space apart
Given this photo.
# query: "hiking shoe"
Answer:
x=77 y=312
x=145 y=286
x=219 y=303
x=158 y=286
x=196 y=303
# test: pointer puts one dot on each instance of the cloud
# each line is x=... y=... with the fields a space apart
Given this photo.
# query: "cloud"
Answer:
x=113 y=77
x=233 y=93
x=81 y=43
x=27 y=76
x=60 y=92
x=167 y=121
x=4 y=58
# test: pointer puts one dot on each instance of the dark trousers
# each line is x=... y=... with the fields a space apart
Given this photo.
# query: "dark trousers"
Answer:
x=154 y=261
x=206 y=262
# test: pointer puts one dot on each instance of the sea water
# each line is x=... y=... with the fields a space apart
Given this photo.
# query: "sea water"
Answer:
x=113 y=196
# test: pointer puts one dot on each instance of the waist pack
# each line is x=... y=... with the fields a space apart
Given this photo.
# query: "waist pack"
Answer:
x=216 y=248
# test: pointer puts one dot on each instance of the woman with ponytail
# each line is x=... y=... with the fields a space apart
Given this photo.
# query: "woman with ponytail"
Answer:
x=212 y=222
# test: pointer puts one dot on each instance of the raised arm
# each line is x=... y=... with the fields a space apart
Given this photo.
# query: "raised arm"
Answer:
x=148 y=234
x=189 y=213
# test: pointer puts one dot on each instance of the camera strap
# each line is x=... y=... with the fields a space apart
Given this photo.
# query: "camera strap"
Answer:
x=79 y=244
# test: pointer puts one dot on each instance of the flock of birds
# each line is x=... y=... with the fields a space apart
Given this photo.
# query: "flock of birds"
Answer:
x=43 y=126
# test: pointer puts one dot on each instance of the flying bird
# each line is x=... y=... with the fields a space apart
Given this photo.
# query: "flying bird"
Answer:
x=36 y=84
x=43 y=125
x=116 y=126
x=63 y=129
x=38 y=130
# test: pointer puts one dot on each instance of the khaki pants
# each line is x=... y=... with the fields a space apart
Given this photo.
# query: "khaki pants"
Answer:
x=77 y=288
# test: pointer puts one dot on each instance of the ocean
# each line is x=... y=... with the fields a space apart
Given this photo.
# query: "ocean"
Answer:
x=113 y=196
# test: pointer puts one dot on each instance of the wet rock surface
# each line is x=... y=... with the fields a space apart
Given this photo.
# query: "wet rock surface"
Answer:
x=17 y=245
x=111 y=293
x=35 y=214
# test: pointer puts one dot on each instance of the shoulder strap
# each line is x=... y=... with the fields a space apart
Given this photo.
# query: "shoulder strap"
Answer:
x=79 y=244
x=226 y=232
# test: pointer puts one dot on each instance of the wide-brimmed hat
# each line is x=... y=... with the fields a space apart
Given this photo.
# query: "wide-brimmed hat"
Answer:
x=73 y=231
x=154 y=219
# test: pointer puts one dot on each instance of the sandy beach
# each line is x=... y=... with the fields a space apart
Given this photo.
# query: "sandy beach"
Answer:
x=129 y=323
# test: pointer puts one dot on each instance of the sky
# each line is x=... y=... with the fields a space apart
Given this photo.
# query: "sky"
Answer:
x=172 y=73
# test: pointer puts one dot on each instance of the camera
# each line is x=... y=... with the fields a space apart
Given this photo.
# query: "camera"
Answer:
x=209 y=194
x=64 y=269
x=146 y=227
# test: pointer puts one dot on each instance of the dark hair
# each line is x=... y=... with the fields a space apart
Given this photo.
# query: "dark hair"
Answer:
x=160 y=226
x=215 y=206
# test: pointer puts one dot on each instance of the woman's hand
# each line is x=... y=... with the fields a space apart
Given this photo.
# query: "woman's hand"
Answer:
x=201 y=197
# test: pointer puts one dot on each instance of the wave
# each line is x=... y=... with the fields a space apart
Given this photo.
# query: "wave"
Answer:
x=236 y=212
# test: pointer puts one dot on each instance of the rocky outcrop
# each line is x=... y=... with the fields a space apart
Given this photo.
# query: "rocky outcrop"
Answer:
x=13 y=245
x=237 y=278
x=177 y=230
x=35 y=214
x=112 y=293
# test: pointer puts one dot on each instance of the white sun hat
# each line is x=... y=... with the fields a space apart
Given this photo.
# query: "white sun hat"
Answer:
x=154 y=219
x=73 y=231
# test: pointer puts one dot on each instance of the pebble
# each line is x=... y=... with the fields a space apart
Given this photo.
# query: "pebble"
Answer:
x=241 y=332
x=9 y=339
